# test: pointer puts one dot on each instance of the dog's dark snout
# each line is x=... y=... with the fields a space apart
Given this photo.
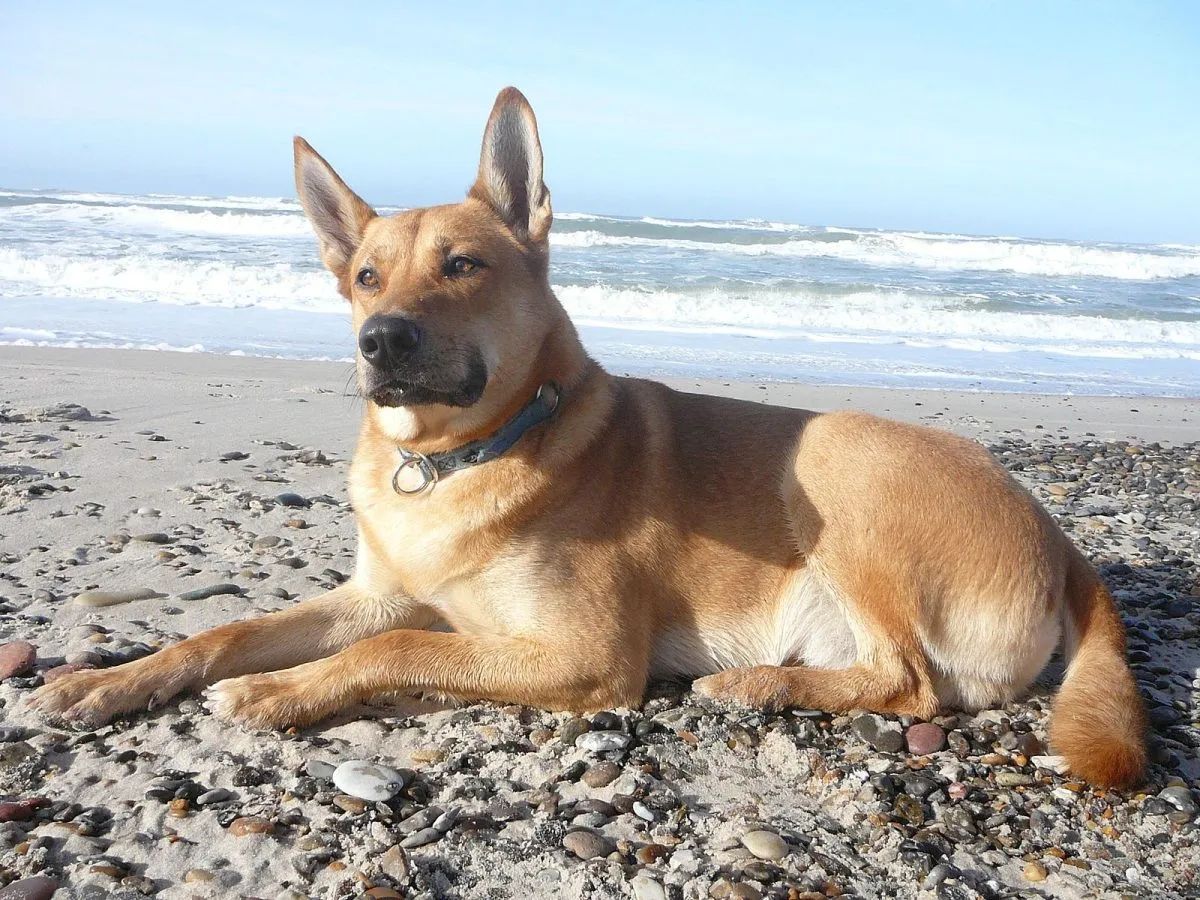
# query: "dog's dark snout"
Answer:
x=386 y=340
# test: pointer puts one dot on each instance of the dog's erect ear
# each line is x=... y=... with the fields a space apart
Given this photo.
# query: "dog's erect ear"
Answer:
x=510 y=169
x=337 y=214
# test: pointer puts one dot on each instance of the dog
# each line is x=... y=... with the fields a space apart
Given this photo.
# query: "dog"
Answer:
x=582 y=534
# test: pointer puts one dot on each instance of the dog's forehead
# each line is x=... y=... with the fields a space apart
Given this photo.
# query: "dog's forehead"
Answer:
x=431 y=232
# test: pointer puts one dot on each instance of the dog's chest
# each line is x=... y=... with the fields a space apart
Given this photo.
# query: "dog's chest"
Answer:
x=423 y=544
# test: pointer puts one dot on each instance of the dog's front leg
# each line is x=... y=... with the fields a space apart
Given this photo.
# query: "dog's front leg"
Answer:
x=460 y=666
x=307 y=631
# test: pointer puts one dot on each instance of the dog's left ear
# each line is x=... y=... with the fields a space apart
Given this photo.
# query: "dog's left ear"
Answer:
x=510 y=169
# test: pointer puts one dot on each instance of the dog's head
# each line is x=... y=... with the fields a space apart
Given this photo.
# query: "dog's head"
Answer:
x=451 y=304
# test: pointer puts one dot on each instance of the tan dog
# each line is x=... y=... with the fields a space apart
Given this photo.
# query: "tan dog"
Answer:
x=833 y=561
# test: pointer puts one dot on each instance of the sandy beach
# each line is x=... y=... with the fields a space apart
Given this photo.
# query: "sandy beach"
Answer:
x=170 y=472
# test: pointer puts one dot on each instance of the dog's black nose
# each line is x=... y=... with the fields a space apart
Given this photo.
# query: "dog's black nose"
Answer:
x=386 y=340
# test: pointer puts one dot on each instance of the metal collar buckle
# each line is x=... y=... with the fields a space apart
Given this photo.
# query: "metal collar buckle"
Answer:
x=415 y=474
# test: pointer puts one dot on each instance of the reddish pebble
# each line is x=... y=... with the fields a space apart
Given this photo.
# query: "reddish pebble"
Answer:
x=16 y=658
x=59 y=671
x=37 y=888
x=957 y=791
x=20 y=810
x=925 y=738
x=245 y=825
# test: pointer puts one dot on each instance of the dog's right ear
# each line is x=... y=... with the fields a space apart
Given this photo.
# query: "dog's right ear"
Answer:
x=338 y=215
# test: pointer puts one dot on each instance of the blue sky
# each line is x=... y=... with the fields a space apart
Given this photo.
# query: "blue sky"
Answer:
x=1057 y=120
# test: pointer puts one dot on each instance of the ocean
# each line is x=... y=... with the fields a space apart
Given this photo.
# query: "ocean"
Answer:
x=734 y=300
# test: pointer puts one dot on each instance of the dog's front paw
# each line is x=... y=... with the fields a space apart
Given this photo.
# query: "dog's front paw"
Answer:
x=760 y=686
x=89 y=699
x=274 y=700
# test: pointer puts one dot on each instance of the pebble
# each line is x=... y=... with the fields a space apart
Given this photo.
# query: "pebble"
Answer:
x=20 y=810
x=601 y=741
x=743 y=890
x=394 y=863
x=1180 y=798
x=939 y=873
x=447 y=820
x=1013 y=779
x=883 y=734
x=318 y=768
x=601 y=774
x=651 y=854
x=587 y=844
x=420 y=820
x=421 y=838
x=646 y=888
x=265 y=542
x=765 y=844
x=293 y=501
x=16 y=658
x=571 y=729
x=244 y=825
x=216 y=795
x=112 y=598
x=198 y=876
x=234 y=455
x=39 y=887
x=352 y=805
x=52 y=675
x=370 y=781
x=153 y=537
x=1056 y=764
x=1034 y=871
x=925 y=738
x=642 y=811
x=214 y=590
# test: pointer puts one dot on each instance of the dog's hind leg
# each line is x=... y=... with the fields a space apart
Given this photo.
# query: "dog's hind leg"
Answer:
x=880 y=688
x=307 y=631
x=460 y=666
x=892 y=673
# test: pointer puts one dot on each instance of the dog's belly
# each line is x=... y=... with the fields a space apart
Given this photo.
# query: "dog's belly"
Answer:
x=808 y=626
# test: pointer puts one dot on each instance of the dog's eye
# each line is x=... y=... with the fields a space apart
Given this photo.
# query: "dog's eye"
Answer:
x=461 y=265
x=368 y=278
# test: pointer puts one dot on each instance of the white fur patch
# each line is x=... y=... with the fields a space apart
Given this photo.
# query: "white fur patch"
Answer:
x=808 y=627
x=398 y=423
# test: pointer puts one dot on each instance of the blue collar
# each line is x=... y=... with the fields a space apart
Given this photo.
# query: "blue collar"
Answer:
x=419 y=472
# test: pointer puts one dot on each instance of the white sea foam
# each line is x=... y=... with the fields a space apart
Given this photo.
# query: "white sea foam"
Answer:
x=155 y=220
x=180 y=282
x=736 y=225
x=882 y=317
x=261 y=203
x=948 y=253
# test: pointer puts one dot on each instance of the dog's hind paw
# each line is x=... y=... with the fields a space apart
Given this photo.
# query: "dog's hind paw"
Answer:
x=759 y=686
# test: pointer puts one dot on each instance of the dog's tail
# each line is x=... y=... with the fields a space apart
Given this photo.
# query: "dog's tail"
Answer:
x=1099 y=722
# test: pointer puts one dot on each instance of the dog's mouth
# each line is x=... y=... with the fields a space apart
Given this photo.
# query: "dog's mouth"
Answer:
x=392 y=391
x=405 y=393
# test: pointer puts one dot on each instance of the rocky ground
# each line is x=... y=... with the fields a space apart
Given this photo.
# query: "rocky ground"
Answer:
x=679 y=799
